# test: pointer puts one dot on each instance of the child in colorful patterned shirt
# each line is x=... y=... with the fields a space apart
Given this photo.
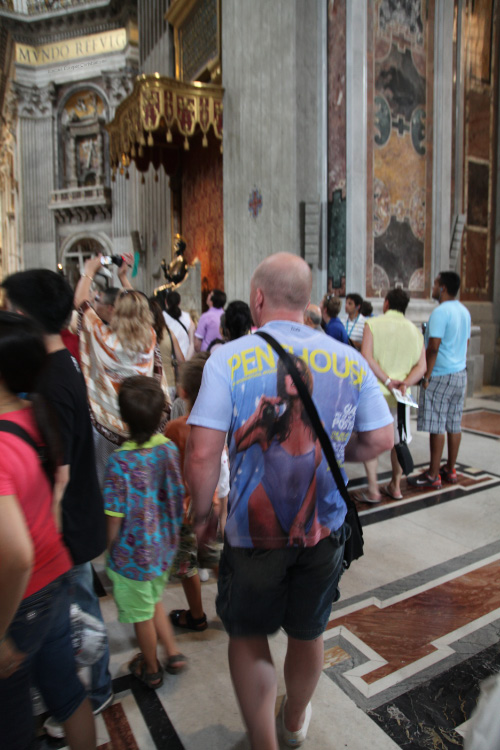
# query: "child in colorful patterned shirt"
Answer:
x=143 y=496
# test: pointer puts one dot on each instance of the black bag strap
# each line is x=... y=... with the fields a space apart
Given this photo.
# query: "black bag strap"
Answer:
x=313 y=416
x=401 y=421
x=14 y=429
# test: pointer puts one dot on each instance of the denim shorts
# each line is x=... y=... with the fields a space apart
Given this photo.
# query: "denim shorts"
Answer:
x=40 y=629
x=260 y=591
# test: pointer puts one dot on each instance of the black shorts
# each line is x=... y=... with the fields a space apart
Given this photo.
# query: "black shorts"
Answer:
x=294 y=588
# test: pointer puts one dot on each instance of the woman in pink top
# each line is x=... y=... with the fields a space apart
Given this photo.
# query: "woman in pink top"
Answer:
x=35 y=636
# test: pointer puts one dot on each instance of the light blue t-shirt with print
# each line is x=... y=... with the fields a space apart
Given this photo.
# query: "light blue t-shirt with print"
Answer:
x=451 y=323
x=143 y=487
x=277 y=465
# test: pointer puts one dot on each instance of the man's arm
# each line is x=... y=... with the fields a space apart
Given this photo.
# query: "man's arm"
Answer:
x=416 y=373
x=431 y=356
x=367 y=353
x=60 y=484
x=364 y=446
x=202 y=467
x=197 y=343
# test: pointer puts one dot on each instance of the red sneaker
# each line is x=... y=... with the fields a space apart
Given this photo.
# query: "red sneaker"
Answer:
x=450 y=477
x=425 y=482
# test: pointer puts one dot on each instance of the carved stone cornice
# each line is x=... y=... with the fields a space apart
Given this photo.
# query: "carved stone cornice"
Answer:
x=81 y=205
x=33 y=101
x=118 y=84
x=61 y=24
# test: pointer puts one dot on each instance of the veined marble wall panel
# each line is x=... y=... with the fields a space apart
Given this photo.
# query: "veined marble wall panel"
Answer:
x=37 y=175
x=260 y=144
x=312 y=154
x=482 y=33
x=400 y=146
x=336 y=146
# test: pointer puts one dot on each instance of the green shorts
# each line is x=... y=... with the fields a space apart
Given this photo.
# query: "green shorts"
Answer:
x=136 y=600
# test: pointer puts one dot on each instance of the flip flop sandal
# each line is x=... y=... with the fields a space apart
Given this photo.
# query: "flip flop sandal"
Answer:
x=152 y=680
x=385 y=491
x=364 y=497
x=177 y=659
x=198 y=624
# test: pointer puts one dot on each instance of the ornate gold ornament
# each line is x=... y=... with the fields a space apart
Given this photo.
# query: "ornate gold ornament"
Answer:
x=156 y=113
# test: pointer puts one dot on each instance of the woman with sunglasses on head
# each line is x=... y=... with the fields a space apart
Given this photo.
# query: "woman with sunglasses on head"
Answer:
x=35 y=635
x=111 y=353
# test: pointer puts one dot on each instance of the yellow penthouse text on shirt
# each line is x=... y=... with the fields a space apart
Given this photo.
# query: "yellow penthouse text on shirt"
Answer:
x=260 y=360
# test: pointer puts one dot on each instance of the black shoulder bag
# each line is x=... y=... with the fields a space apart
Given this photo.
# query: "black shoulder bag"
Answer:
x=354 y=545
x=402 y=451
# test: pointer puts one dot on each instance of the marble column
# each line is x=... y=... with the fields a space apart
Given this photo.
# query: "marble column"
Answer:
x=442 y=136
x=356 y=146
x=36 y=154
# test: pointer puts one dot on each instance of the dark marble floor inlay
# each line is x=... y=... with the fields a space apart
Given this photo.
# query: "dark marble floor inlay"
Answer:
x=156 y=718
x=427 y=716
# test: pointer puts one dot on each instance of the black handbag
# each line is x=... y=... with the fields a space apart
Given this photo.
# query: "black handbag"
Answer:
x=353 y=548
x=402 y=451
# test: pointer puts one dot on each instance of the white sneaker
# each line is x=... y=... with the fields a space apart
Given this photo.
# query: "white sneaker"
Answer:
x=53 y=728
x=203 y=573
x=295 y=739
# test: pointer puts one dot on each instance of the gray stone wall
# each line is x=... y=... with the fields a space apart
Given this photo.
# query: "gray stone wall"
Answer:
x=35 y=142
x=259 y=42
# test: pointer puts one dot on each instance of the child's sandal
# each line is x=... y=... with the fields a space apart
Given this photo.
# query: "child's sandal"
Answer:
x=176 y=663
x=152 y=680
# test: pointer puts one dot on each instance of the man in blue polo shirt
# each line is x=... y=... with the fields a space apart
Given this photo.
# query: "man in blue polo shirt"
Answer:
x=444 y=385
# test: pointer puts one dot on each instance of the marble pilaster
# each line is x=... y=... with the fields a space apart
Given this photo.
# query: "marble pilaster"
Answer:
x=356 y=146
x=36 y=152
x=442 y=137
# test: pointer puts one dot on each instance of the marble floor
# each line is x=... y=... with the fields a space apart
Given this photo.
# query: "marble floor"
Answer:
x=415 y=632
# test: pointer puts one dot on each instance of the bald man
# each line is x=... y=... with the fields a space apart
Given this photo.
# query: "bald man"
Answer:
x=312 y=317
x=285 y=531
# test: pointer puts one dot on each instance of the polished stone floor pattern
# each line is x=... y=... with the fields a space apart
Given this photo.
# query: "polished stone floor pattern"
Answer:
x=415 y=632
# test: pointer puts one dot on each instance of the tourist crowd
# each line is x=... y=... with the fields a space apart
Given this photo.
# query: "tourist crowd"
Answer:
x=129 y=426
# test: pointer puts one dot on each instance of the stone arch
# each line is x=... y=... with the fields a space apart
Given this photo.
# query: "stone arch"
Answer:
x=83 y=86
x=80 y=246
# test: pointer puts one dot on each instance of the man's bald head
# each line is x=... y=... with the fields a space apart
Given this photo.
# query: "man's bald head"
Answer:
x=285 y=282
x=312 y=316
